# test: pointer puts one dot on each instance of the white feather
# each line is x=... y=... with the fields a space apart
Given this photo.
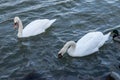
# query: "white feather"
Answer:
x=34 y=28
x=88 y=44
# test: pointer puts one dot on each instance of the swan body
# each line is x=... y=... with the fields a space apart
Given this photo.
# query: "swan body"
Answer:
x=34 y=28
x=88 y=44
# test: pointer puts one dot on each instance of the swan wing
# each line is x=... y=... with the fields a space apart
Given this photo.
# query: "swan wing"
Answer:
x=36 y=27
x=88 y=44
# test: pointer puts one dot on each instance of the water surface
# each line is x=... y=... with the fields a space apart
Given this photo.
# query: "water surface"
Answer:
x=39 y=53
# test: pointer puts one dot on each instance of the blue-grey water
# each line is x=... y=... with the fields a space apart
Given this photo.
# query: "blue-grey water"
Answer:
x=75 y=18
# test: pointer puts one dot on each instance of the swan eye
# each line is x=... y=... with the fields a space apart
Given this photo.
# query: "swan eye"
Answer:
x=15 y=24
x=60 y=56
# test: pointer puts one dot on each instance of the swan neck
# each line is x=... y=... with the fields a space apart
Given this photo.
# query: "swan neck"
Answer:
x=71 y=48
x=20 y=29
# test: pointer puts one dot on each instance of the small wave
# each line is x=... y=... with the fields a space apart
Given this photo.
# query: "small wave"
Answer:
x=110 y=29
x=89 y=0
x=111 y=1
x=61 y=2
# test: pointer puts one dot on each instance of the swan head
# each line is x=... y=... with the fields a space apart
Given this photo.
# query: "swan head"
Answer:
x=115 y=33
x=68 y=47
x=61 y=53
x=16 y=22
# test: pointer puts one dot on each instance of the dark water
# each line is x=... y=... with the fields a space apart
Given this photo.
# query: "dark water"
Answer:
x=18 y=58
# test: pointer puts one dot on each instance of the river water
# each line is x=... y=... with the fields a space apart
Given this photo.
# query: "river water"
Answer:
x=38 y=54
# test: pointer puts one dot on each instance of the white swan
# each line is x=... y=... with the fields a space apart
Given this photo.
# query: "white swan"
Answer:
x=34 y=28
x=87 y=45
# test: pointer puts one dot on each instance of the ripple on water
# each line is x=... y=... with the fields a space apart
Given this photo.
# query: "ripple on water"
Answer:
x=89 y=0
x=111 y=1
x=18 y=58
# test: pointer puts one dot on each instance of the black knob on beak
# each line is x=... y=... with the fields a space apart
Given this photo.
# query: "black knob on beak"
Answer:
x=60 y=56
x=15 y=25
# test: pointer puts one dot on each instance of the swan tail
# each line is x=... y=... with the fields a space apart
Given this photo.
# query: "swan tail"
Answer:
x=105 y=38
x=50 y=22
x=53 y=20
